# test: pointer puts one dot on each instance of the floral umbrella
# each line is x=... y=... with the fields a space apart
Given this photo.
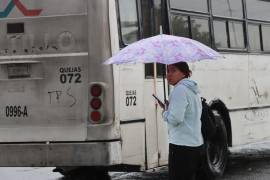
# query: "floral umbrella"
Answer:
x=164 y=49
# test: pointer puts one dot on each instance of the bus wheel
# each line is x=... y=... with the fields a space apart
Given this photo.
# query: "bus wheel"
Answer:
x=216 y=152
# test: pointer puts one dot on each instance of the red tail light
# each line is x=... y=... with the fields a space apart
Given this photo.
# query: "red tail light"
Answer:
x=96 y=90
x=96 y=116
x=96 y=103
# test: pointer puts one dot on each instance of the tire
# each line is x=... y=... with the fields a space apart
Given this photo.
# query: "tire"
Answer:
x=216 y=153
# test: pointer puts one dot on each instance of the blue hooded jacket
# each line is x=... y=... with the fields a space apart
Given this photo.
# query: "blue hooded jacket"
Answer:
x=183 y=114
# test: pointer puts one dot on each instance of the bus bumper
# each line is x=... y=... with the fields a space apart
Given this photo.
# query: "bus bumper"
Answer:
x=61 y=154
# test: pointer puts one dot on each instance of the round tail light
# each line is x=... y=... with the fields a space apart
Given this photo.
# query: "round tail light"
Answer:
x=96 y=90
x=96 y=103
x=95 y=116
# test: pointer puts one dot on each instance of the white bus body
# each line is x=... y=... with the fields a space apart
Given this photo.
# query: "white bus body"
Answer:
x=50 y=61
x=50 y=58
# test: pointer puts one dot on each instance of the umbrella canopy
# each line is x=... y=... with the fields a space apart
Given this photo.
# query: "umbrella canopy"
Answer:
x=164 y=49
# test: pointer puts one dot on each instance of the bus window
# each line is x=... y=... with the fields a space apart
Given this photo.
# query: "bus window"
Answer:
x=192 y=5
x=200 y=30
x=149 y=70
x=258 y=9
x=236 y=33
x=151 y=15
x=229 y=34
x=157 y=16
x=220 y=34
x=266 y=37
x=147 y=15
x=228 y=8
x=254 y=37
x=151 y=22
x=180 y=25
x=129 y=21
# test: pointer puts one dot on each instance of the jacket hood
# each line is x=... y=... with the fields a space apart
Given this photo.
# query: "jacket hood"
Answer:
x=192 y=85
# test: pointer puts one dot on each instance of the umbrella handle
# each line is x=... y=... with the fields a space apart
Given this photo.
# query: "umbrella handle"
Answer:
x=164 y=82
x=155 y=78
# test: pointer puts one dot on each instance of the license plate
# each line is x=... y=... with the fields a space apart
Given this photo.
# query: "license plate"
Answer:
x=18 y=70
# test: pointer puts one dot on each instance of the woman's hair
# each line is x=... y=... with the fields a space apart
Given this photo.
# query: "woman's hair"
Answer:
x=184 y=68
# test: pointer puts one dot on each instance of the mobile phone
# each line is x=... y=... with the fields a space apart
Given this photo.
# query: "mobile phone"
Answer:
x=159 y=101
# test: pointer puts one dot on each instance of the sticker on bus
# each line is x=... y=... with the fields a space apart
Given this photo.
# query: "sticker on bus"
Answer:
x=70 y=75
x=131 y=98
x=16 y=111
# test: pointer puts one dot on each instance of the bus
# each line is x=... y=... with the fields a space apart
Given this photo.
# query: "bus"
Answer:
x=60 y=106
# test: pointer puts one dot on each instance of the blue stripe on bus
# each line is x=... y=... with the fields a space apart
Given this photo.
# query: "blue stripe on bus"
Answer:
x=8 y=9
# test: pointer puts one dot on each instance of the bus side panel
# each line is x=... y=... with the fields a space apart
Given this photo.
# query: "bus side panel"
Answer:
x=257 y=120
x=258 y=80
x=251 y=125
x=227 y=80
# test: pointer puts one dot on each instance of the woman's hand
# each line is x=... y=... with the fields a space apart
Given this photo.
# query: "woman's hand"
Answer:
x=166 y=105
x=161 y=104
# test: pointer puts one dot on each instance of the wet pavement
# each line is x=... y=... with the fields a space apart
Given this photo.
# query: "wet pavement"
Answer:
x=249 y=163
x=155 y=174
x=238 y=169
x=28 y=173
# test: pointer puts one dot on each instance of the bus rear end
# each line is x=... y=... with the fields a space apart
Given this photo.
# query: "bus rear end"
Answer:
x=56 y=98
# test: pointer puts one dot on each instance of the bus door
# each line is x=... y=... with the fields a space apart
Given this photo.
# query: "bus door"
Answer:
x=162 y=130
x=132 y=119
x=157 y=143
x=43 y=70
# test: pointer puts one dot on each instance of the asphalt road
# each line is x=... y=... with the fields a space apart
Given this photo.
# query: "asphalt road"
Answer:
x=248 y=169
x=250 y=163
x=238 y=169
